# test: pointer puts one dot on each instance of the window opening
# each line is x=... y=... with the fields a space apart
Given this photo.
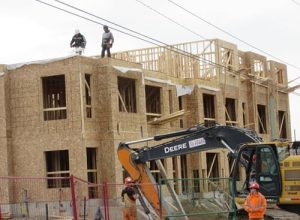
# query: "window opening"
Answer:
x=209 y=109
x=212 y=165
x=196 y=181
x=91 y=155
x=230 y=112
x=127 y=95
x=259 y=68
x=54 y=97
x=226 y=56
x=184 y=176
x=262 y=119
x=57 y=165
x=88 y=95
x=279 y=76
x=180 y=105
x=153 y=102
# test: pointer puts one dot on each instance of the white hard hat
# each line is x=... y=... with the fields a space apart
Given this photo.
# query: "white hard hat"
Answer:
x=76 y=31
x=128 y=180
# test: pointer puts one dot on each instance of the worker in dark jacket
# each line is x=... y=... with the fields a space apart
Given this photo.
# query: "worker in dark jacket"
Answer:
x=129 y=197
x=78 y=41
x=107 y=41
x=255 y=203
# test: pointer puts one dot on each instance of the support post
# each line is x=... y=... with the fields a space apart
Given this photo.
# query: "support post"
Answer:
x=106 y=202
x=47 y=213
x=272 y=112
x=73 y=197
x=84 y=208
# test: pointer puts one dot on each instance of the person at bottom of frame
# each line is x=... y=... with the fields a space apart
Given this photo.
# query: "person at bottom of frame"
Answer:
x=255 y=203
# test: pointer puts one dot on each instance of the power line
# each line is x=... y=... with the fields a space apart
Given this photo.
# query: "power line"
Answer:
x=61 y=9
x=78 y=9
x=172 y=20
x=168 y=47
x=297 y=3
x=231 y=35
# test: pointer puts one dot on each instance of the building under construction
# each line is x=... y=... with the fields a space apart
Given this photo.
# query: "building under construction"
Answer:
x=67 y=116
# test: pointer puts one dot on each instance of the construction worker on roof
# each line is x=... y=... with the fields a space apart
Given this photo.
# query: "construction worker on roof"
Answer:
x=129 y=197
x=255 y=203
x=78 y=41
x=107 y=41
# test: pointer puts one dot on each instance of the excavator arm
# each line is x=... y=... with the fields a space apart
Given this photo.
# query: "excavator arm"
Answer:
x=192 y=140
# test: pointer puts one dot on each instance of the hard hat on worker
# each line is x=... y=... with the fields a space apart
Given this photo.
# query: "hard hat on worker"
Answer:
x=254 y=185
x=128 y=180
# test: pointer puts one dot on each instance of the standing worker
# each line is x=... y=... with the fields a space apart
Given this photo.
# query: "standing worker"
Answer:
x=129 y=197
x=107 y=41
x=255 y=203
x=78 y=41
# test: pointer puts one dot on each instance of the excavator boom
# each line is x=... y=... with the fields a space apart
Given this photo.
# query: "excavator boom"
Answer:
x=192 y=140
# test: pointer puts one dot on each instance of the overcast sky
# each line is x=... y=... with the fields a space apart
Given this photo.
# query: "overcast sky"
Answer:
x=33 y=31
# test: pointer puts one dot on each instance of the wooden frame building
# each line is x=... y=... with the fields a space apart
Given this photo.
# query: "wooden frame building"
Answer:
x=67 y=116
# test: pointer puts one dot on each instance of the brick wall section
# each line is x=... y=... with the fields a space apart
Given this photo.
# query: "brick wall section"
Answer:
x=3 y=128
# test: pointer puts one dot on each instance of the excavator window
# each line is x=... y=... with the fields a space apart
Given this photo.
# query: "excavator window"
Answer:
x=268 y=175
x=259 y=163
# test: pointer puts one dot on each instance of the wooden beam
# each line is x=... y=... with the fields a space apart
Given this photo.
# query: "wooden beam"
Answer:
x=123 y=104
x=169 y=118
x=229 y=118
x=261 y=123
x=88 y=87
x=281 y=124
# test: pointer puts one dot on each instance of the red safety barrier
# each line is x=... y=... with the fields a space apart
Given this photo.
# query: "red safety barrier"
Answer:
x=68 y=198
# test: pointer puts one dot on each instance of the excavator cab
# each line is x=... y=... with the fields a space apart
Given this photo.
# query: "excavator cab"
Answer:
x=257 y=162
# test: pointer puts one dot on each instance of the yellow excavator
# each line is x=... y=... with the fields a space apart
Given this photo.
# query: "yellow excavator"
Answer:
x=274 y=165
